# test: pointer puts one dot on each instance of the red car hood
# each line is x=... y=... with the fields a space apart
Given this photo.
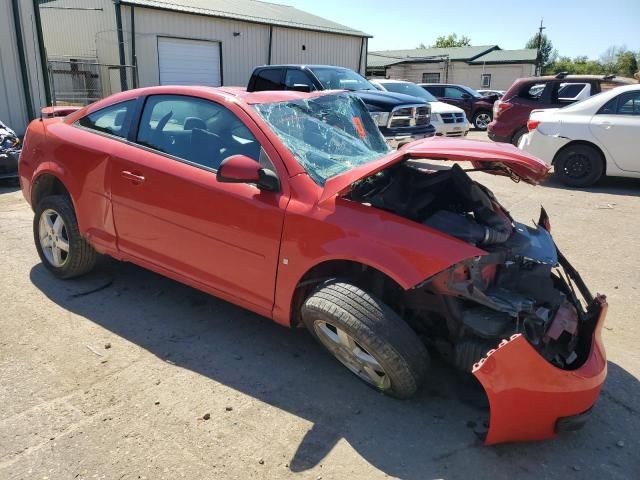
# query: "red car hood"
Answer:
x=509 y=160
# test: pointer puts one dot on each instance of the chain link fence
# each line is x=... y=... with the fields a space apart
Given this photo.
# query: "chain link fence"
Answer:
x=80 y=83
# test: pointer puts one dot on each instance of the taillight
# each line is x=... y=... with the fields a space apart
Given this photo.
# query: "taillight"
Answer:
x=532 y=124
x=499 y=107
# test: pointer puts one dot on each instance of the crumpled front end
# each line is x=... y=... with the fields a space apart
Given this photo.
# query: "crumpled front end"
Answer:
x=529 y=397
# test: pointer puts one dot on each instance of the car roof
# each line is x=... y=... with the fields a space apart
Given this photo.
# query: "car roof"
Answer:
x=585 y=78
x=388 y=80
x=299 y=65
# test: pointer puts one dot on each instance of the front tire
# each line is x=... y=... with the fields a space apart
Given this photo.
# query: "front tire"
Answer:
x=367 y=337
x=481 y=120
x=60 y=246
x=578 y=166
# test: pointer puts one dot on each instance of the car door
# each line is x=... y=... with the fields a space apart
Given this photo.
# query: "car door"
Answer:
x=617 y=127
x=456 y=96
x=171 y=213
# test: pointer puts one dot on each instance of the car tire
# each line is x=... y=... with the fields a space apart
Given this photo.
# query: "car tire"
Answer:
x=60 y=246
x=578 y=166
x=481 y=120
x=515 y=140
x=367 y=337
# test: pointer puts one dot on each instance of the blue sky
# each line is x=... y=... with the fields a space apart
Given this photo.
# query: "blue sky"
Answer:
x=575 y=27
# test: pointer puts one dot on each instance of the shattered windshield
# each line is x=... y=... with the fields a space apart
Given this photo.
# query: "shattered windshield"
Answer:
x=328 y=135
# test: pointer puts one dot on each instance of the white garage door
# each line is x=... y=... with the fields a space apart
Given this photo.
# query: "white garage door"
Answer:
x=189 y=62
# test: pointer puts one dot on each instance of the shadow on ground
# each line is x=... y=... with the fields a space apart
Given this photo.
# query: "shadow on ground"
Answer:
x=609 y=185
x=429 y=436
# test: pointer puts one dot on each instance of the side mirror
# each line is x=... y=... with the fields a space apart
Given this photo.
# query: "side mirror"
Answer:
x=242 y=169
x=301 y=87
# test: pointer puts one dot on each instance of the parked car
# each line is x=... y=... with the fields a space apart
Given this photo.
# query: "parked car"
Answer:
x=9 y=152
x=589 y=139
x=292 y=205
x=511 y=112
x=477 y=108
x=400 y=118
x=449 y=121
x=491 y=93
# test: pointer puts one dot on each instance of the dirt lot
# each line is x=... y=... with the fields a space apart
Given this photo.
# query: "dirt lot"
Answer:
x=279 y=406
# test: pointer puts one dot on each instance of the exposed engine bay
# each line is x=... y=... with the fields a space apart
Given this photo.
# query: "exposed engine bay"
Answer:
x=523 y=285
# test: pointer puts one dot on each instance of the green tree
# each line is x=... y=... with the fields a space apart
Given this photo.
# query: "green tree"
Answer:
x=547 y=53
x=626 y=64
x=452 y=41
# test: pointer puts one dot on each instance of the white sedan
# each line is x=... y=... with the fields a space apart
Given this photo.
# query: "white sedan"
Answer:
x=449 y=120
x=589 y=139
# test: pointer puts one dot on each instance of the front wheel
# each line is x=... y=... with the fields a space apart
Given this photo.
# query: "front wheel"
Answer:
x=578 y=166
x=60 y=246
x=481 y=120
x=367 y=337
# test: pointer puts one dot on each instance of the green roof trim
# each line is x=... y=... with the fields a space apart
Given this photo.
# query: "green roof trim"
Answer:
x=526 y=55
x=251 y=11
x=471 y=55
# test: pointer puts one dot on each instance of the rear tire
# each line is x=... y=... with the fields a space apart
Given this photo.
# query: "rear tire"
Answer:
x=481 y=120
x=515 y=140
x=367 y=337
x=578 y=166
x=60 y=246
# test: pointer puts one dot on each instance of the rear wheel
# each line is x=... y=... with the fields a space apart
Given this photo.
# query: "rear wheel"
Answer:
x=60 y=246
x=367 y=337
x=578 y=166
x=481 y=120
x=515 y=140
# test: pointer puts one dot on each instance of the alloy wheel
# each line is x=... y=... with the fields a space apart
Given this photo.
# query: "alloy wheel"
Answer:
x=482 y=121
x=54 y=239
x=352 y=355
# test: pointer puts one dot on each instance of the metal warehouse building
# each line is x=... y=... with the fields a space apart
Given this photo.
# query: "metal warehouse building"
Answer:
x=111 y=45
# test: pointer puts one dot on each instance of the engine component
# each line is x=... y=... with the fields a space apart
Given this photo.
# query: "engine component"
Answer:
x=485 y=322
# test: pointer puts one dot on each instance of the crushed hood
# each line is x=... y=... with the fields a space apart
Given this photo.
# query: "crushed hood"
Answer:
x=509 y=160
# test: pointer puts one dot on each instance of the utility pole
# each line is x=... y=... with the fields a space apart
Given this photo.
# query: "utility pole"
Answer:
x=539 y=54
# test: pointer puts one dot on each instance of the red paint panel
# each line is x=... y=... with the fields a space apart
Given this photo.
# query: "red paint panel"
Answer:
x=527 y=394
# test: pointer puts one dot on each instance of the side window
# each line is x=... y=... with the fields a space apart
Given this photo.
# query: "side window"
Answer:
x=629 y=104
x=109 y=120
x=610 y=107
x=269 y=79
x=435 y=91
x=194 y=129
x=297 y=77
x=452 y=92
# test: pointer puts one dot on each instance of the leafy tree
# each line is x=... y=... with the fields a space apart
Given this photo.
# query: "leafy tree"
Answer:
x=547 y=53
x=452 y=41
x=626 y=64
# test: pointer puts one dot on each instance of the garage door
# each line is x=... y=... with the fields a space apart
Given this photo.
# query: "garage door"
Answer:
x=189 y=62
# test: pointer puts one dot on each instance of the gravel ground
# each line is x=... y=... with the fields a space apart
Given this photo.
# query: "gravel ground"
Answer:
x=124 y=374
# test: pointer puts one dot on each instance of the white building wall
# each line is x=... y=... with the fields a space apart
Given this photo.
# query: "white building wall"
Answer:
x=308 y=47
x=502 y=75
x=13 y=105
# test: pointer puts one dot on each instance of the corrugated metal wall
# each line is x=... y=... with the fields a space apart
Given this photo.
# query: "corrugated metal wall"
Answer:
x=13 y=105
x=307 y=47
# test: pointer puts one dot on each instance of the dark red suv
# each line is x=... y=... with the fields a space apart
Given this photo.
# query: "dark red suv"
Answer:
x=511 y=112
x=476 y=107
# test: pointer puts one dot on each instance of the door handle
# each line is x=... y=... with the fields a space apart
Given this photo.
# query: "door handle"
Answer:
x=605 y=125
x=134 y=177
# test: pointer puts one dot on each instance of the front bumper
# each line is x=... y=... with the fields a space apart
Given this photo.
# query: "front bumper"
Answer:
x=450 y=129
x=529 y=398
x=396 y=137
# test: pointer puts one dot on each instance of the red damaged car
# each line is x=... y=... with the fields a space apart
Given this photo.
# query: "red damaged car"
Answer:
x=291 y=205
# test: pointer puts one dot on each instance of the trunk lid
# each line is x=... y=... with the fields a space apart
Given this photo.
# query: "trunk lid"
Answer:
x=509 y=160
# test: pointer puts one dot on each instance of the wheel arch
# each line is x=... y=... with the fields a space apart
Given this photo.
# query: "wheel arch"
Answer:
x=360 y=274
x=586 y=143
x=47 y=183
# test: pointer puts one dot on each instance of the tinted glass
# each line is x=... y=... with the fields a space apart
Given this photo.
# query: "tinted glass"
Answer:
x=109 y=120
x=297 y=77
x=570 y=90
x=629 y=104
x=436 y=91
x=269 y=79
x=409 y=89
x=194 y=129
x=341 y=79
x=451 y=92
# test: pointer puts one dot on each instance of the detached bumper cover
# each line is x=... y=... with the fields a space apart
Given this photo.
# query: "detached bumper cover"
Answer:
x=527 y=395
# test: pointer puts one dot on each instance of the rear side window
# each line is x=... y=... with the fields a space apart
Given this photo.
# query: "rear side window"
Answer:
x=435 y=91
x=452 y=92
x=629 y=104
x=269 y=79
x=111 y=120
x=532 y=91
